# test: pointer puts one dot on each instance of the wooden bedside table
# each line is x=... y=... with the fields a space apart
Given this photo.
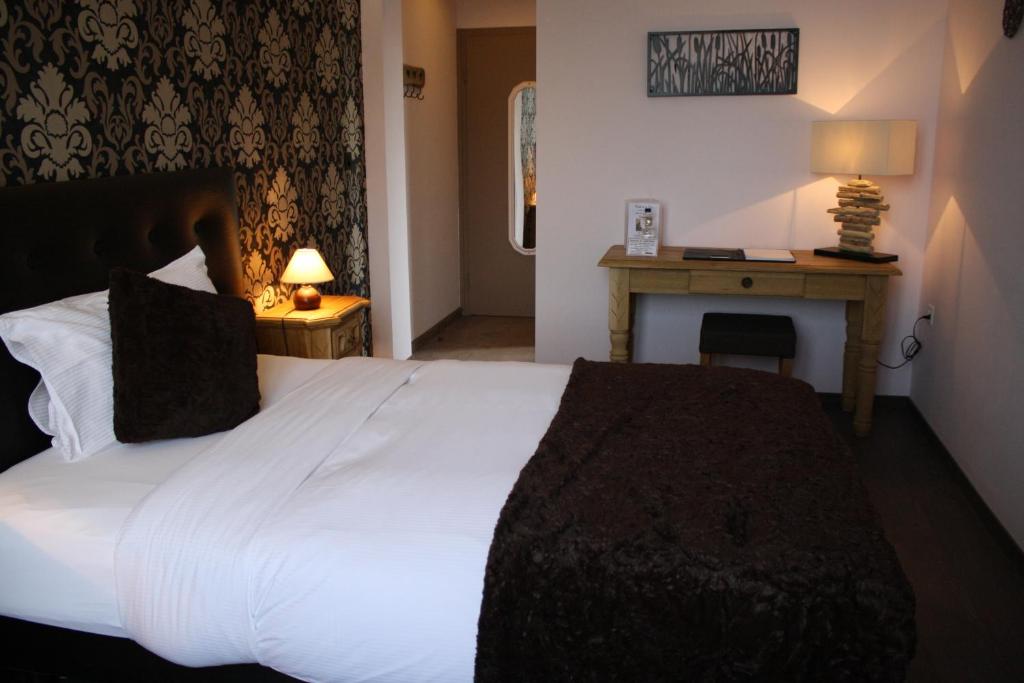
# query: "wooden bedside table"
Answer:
x=335 y=330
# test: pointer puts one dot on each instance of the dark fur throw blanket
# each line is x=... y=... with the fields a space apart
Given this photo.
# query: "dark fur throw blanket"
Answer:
x=680 y=523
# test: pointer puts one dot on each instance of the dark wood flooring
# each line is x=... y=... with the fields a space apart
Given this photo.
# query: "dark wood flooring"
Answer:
x=967 y=574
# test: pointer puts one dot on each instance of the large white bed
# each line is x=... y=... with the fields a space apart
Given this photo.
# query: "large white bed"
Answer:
x=408 y=465
x=352 y=520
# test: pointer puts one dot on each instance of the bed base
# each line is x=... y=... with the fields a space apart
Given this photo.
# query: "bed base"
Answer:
x=38 y=653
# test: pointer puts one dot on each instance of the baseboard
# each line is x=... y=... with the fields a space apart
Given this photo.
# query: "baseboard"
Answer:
x=989 y=519
x=435 y=329
x=880 y=401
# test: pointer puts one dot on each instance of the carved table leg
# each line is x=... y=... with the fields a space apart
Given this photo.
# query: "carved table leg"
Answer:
x=619 y=313
x=851 y=355
x=871 y=337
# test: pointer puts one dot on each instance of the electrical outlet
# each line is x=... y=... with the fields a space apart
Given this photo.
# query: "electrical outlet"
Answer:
x=931 y=314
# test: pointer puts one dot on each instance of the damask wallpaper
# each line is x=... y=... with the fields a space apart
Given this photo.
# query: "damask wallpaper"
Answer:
x=272 y=88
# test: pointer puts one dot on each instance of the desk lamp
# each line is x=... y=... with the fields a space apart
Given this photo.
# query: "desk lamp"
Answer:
x=861 y=148
x=306 y=268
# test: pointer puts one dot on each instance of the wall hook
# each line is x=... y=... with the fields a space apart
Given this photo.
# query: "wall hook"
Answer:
x=413 y=80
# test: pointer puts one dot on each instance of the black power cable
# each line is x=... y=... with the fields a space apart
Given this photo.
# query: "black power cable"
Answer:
x=910 y=346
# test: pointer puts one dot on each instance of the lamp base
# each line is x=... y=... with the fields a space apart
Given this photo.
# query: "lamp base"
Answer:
x=306 y=298
x=859 y=211
x=870 y=257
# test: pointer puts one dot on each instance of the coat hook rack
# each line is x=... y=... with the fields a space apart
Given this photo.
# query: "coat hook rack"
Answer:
x=413 y=80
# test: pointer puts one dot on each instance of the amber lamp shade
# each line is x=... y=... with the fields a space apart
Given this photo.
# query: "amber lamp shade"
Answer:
x=871 y=148
x=306 y=268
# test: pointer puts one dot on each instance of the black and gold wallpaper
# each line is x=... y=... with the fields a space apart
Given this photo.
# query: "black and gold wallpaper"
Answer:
x=272 y=88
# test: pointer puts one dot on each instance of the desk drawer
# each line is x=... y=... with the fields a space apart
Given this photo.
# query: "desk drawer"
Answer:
x=751 y=283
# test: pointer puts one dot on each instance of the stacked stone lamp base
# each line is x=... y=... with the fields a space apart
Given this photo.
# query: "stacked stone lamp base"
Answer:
x=859 y=211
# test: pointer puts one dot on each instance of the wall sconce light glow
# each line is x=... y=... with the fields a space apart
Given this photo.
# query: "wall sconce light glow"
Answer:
x=970 y=39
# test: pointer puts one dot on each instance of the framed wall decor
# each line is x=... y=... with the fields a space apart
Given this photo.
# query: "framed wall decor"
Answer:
x=746 y=62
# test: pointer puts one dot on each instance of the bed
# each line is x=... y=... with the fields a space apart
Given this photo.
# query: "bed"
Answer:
x=415 y=533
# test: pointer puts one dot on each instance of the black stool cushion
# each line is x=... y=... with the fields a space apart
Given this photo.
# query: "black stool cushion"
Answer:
x=746 y=334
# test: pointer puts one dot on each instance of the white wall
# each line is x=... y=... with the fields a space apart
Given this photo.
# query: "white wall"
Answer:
x=730 y=171
x=495 y=13
x=432 y=162
x=412 y=159
x=386 y=201
x=968 y=379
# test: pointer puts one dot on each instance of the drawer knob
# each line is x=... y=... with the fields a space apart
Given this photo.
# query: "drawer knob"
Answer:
x=747 y=282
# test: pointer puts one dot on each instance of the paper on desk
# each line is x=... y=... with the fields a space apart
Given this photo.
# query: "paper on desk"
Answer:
x=782 y=255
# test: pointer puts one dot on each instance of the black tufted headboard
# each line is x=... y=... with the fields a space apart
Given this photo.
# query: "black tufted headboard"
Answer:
x=62 y=239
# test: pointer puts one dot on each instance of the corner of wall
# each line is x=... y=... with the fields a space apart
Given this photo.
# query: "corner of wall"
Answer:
x=386 y=178
x=432 y=163
x=966 y=381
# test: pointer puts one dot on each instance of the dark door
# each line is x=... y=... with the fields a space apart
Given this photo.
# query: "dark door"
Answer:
x=496 y=279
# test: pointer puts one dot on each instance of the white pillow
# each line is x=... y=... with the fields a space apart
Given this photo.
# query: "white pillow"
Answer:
x=68 y=343
x=187 y=271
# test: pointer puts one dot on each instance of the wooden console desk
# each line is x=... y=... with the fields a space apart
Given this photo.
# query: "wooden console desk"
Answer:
x=861 y=285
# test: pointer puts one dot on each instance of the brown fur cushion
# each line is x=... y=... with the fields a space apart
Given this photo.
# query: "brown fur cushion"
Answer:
x=184 y=360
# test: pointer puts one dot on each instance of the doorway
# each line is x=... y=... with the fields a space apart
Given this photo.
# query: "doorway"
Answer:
x=497 y=278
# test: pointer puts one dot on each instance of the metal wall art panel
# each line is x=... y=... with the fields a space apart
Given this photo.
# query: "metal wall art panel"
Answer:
x=753 y=62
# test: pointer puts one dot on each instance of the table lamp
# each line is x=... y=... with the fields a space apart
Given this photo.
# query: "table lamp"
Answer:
x=861 y=148
x=306 y=268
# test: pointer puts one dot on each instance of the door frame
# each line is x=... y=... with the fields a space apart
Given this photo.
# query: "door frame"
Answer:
x=462 y=35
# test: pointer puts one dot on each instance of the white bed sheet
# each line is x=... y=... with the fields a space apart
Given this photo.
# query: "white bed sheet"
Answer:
x=389 y=537
x=343 y=534
x=59 y=520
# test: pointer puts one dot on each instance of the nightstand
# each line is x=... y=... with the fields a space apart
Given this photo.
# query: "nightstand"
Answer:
x=334 y=330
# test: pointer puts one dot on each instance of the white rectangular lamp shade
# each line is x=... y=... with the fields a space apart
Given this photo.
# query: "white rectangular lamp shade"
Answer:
x=872 y=148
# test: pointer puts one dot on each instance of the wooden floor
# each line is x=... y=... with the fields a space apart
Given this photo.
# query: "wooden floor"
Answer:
x=968 y=580
x=481 y=337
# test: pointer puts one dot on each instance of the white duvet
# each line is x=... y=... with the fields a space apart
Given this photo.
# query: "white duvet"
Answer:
x=342 y=533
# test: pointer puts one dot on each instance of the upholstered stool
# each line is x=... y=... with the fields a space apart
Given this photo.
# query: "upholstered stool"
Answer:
x=744 y=334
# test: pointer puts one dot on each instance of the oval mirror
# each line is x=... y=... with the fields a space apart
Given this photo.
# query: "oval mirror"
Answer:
x=522 y=155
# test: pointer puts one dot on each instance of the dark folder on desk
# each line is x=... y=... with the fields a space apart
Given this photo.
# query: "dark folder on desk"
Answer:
x=706 y=254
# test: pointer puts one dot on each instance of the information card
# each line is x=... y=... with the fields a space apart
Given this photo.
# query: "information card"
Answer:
x=643 y=227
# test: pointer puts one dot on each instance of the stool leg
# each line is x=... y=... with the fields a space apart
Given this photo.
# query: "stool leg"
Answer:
x=786 y=367
x=705 y=360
